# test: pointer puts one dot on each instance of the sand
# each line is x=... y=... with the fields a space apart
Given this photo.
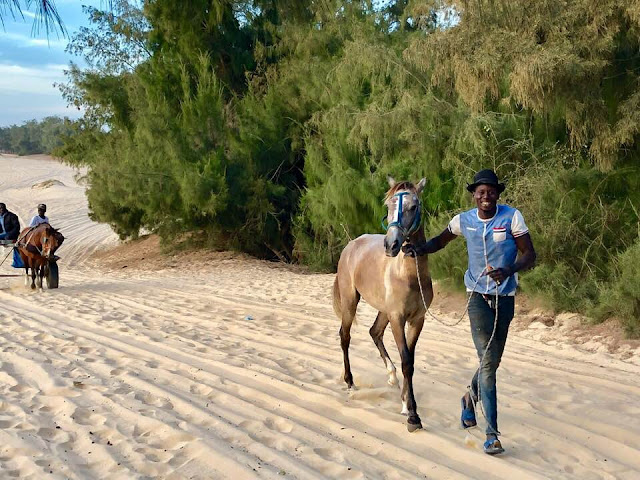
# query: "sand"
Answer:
x=233 y=370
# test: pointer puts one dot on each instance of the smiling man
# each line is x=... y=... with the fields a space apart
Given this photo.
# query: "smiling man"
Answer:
x=494 y=234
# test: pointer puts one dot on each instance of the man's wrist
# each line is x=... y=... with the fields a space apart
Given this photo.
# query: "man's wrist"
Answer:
x=430 y=246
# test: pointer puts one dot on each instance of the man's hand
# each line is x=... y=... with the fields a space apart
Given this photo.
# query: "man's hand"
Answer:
x=409 y=250
x=500 y=275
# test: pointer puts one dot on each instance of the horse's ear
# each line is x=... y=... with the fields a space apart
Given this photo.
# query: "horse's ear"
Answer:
x=421 y=185
x=391 y=181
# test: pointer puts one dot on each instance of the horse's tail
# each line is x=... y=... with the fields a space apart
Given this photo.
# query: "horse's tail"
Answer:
x=336 y=298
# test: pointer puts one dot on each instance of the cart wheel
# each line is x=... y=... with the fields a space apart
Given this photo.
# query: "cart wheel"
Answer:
x=52 y=275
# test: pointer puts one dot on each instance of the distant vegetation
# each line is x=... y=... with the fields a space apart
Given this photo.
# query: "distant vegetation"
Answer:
x=269 y=126
x=34 y=137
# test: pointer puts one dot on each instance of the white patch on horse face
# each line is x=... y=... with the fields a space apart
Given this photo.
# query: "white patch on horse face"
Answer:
x=408 y=201
x=392 y=215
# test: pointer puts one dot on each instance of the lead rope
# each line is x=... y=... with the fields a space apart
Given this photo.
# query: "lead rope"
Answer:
x=493 y=333
x=424 y=302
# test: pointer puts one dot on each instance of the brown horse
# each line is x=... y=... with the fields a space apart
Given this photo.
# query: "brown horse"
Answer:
x=371 y=268
x=37 y=246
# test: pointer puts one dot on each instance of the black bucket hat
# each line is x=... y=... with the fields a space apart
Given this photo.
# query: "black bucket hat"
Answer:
x=486 y=177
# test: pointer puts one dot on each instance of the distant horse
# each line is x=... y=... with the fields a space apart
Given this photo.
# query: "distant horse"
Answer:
x=370 y=267
x=37 y=246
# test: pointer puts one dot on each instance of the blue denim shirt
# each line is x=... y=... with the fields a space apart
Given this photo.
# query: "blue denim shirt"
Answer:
x=491 y=243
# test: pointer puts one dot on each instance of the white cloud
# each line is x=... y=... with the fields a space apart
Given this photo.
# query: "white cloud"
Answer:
x=28 y=14
x=26 y=41
x=16 y=78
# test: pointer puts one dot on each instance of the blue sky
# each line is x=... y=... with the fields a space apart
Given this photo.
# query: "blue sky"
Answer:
x=30 y=64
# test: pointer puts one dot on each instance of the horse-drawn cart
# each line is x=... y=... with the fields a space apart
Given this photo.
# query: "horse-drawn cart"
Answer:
x=51 y=271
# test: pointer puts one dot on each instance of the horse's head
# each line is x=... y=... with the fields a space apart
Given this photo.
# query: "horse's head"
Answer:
x=403 y=213
x=50 y=240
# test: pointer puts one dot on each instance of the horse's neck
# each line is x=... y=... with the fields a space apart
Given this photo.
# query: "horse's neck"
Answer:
x=417 y=237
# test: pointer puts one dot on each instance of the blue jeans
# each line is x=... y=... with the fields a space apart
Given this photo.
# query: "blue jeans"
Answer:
x=482 y=318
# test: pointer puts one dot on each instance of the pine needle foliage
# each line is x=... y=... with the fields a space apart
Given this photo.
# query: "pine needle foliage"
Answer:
x=270 y=127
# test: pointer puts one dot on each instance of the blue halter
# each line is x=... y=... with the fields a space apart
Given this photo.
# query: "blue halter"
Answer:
x=398 y=223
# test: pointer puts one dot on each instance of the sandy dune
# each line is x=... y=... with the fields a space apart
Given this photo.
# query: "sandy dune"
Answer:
x=233 y=371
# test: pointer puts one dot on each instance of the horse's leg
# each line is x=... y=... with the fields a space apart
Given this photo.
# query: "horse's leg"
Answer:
x=348 y=305
x=406 y=355
x=34 y=267
x=414 y=328
x=377 y=333
x=40 y=275
x=26 y=274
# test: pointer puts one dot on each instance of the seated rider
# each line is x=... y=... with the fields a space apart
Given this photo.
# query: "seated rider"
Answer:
x=41 y=217
x=10 y=226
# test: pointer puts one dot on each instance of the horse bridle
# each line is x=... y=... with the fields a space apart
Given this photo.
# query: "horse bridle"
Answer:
x=398 y=223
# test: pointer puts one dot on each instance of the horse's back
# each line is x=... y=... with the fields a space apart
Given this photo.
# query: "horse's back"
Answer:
x=361 y=264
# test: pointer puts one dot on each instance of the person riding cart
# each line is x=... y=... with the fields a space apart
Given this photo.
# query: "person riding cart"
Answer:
x=10 y=225
x=41 y=217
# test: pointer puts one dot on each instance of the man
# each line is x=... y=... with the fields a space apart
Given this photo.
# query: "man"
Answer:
x=9 y=224
x=494 y=234
x=41 y=217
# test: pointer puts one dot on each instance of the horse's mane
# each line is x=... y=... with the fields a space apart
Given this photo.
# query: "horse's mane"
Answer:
x=398 y=187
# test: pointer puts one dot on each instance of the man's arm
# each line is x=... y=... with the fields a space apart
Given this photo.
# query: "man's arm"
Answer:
x=526 y=260
x=430 y=246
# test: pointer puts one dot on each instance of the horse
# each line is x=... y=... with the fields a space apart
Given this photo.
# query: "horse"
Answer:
x=370 y=267
x=37 y=246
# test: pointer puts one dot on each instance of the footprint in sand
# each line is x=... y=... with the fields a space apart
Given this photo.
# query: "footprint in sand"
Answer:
x=199 y=389
x=279 y=424
x=6 y=424
x=153 y=454
x=150 y=399
x=331 y=454
x=85 y=416
x=55 y=435
x=21 y=389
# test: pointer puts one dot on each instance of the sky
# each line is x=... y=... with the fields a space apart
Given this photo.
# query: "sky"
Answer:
x=30 y=63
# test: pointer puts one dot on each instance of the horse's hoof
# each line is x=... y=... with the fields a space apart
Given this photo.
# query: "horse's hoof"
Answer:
x=33 y=287
x=412 y=427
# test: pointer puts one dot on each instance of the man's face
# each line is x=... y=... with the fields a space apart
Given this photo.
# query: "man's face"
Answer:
x=3 y=210
x=41 y=212
x=486 y=198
